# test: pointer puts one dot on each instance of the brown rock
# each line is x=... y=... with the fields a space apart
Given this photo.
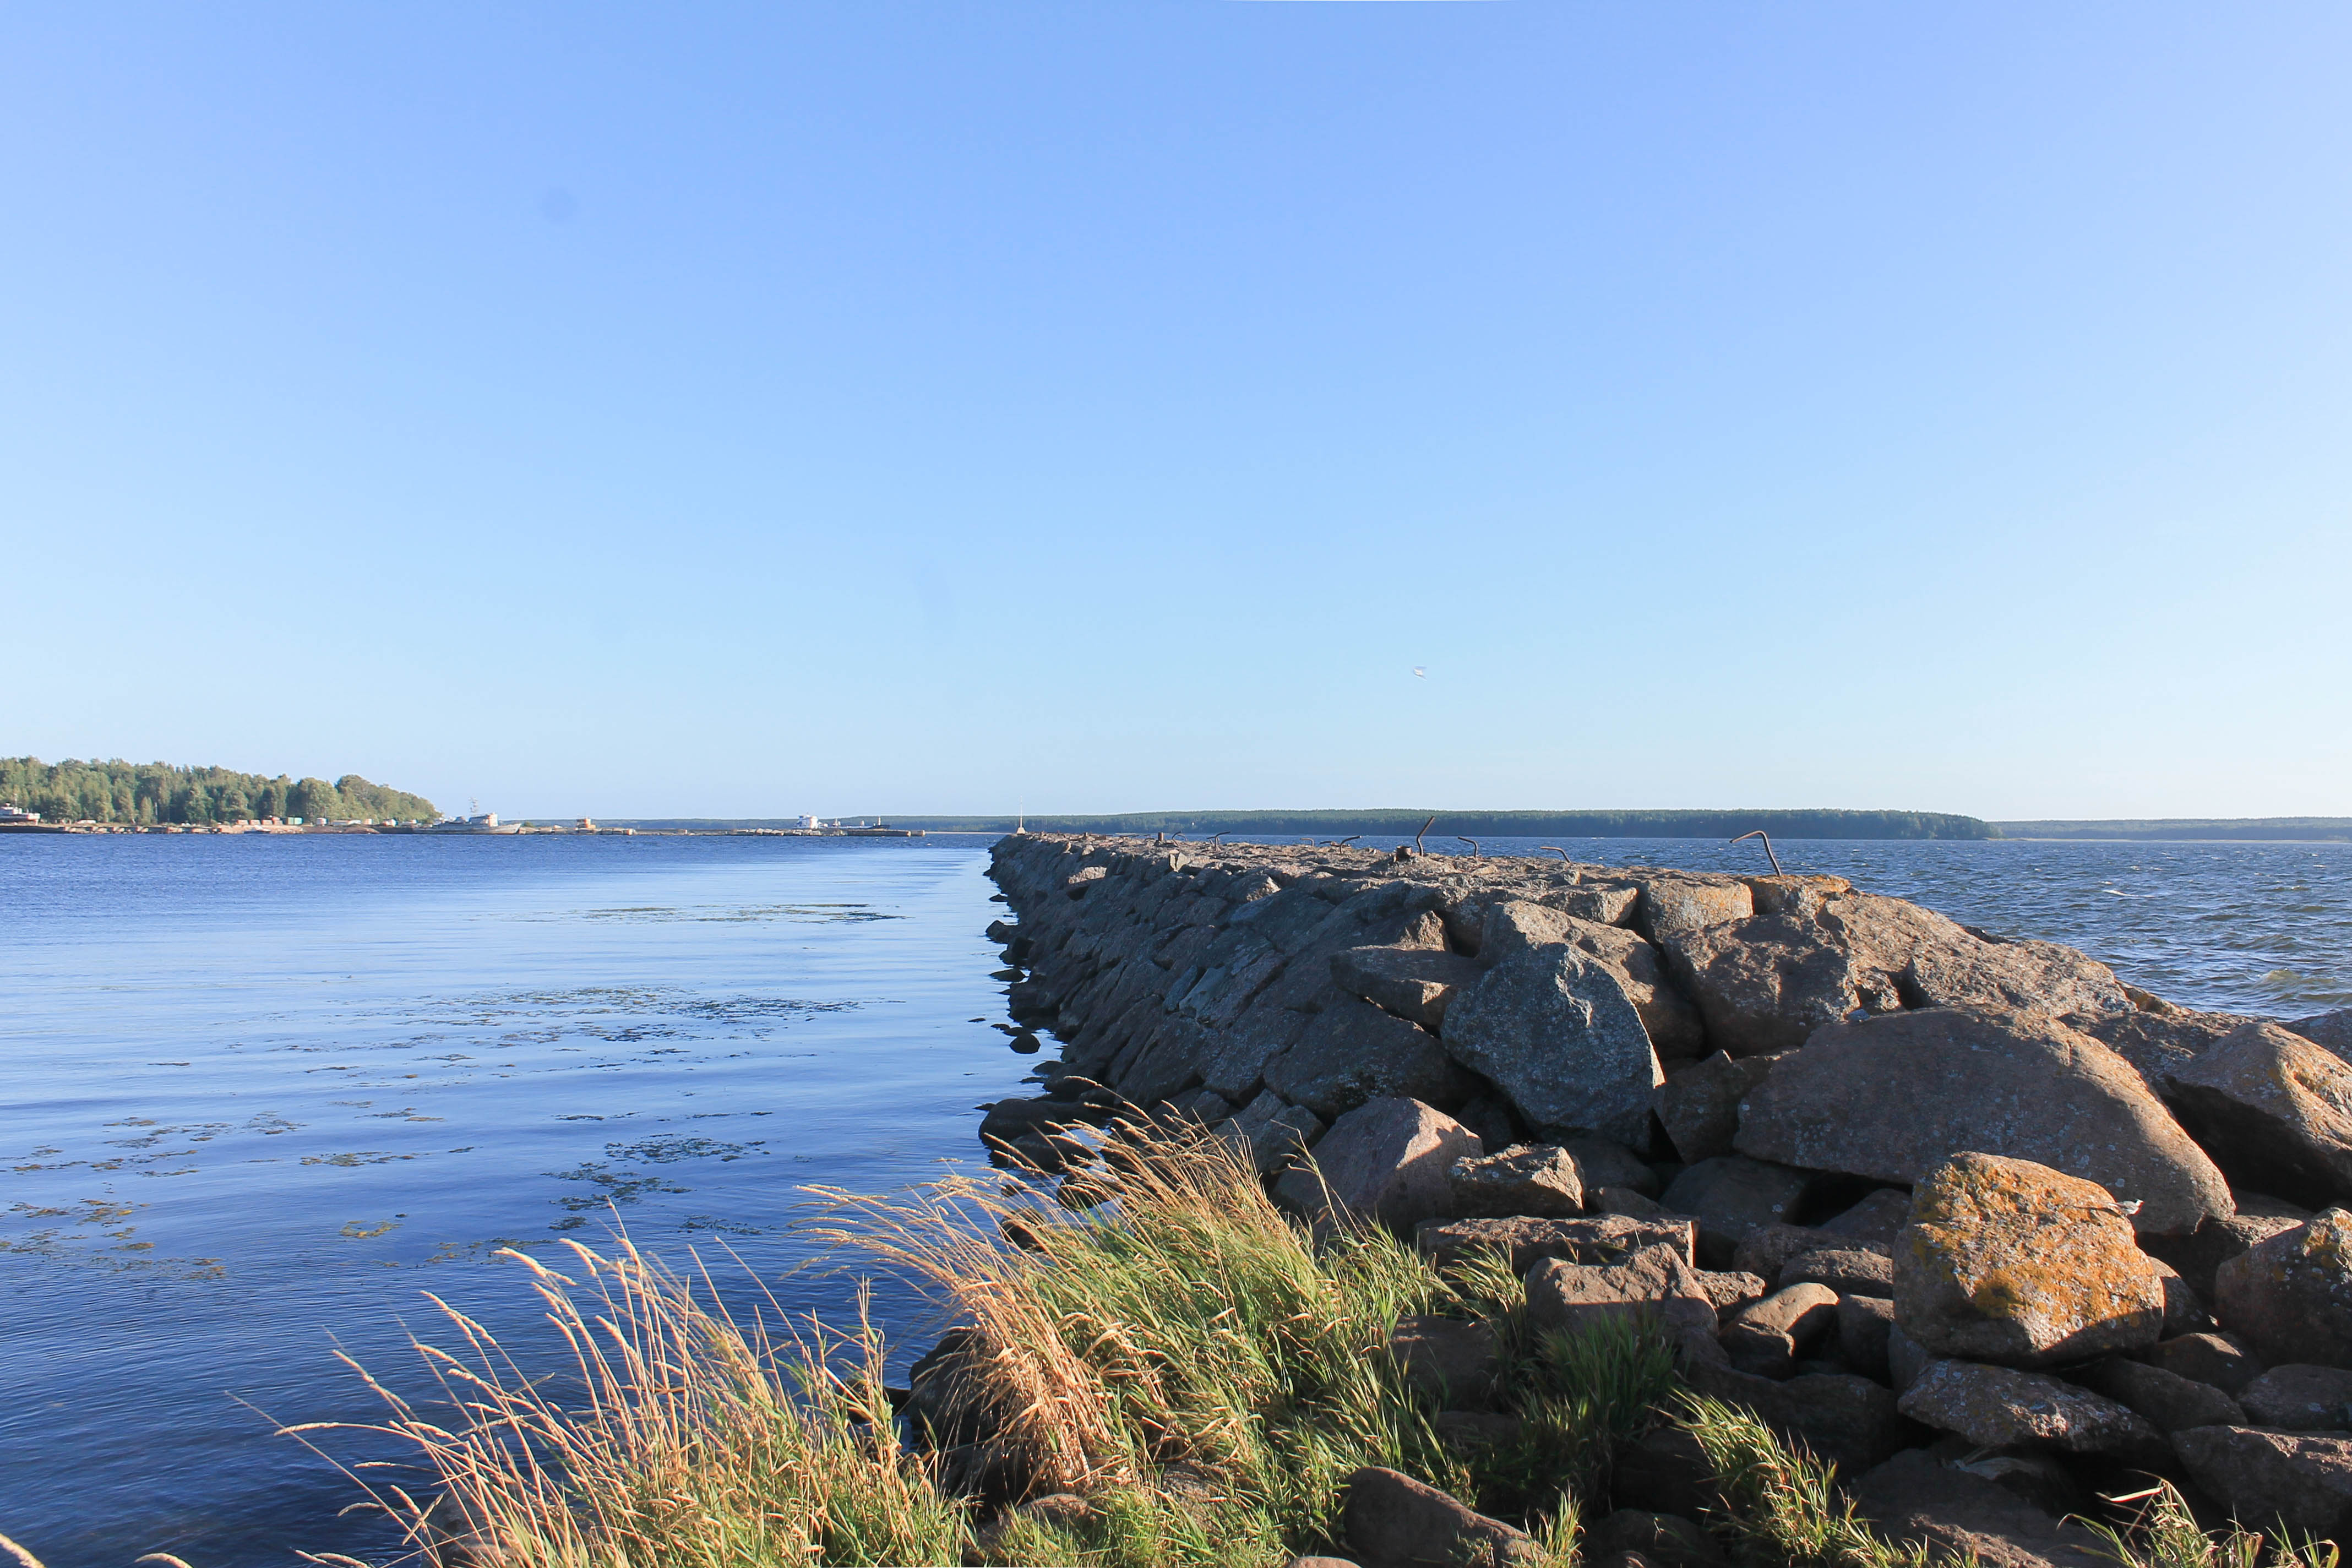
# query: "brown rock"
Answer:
x=1451 y=1363
x=1862 y=1322
x=2216 y=1359
x=1730 y=1290
x=2294 y=1398
x=1541 y=1180
x=1414 y=984
x=1674 y=902
x=1621 y=1200
x=2274 y=1109
x=1958 y=1516
x=1386 y=1160
x=2008 y=1261
x=2291 y=1296
x=2198 y=1254
x=2170 y=1403
x=2302 y=1480
x=1769 y=1248
x=1567 y=1298
x=2331 y=1031
x=2157 y=1044
x=1892 y=1098
x=1605 y=1163
x=1698 y=1105
x=1765 y=1336
x=1391 y=1521
x=1733 y=1196
x=1666 y=1471
x=1848 y=1270
x=1997 y=1406
x=1596 y=1238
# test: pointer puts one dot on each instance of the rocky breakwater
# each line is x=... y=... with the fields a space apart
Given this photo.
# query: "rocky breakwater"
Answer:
x=1971 y=1218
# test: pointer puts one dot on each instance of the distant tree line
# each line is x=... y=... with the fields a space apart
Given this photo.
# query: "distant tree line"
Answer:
x=1784 y=824
x=151 y=792
x=2307 y=830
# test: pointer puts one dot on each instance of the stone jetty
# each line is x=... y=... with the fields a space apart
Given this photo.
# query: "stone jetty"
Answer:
x=1965 y=1214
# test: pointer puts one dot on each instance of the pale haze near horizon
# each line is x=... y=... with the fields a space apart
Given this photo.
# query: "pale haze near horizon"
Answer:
x=746 y=411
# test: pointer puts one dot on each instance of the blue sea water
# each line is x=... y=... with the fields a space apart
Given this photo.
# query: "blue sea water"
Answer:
x=258 y=1094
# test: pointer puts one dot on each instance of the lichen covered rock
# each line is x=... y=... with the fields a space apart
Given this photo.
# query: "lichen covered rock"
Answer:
x=2011 y=1262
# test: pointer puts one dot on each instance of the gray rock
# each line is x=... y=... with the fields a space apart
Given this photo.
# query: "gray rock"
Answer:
x=1958 y=1516
x=2157 y=1044
x=1698 y=1105
x=2170 y=1402
x=1352 y=1052
x=1541 y=1180
x=1553 y=1029
x=1676 y=902
x=1892 y=1098
x=2302 y=1480
x=2008 y=1261
x=2201 y=1252
x=1524 y=1242
x=1386 y=1160
x=2274 y=1109
x=1272 y=1133
x=2220 y=1360
x=2296 y=1398
x=1997 y=1406
x=1731 y=1197
x=1862 y=1322
x=2291 y=1296
x=1769 y=1248
x=1848 y=1270
x=1879 y=1217
x=1391 y=1521
x=1905 y=1360
x=1451 y=1362
x=1768 y=983
x=1513 y=927
x=1414 y=984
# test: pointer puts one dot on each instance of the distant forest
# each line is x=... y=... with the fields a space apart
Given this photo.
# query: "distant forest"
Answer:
x=2304 y=830
x=157 y=792
x=1495 y=824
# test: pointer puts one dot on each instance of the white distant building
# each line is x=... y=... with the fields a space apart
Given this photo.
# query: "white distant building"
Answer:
x=809 y=822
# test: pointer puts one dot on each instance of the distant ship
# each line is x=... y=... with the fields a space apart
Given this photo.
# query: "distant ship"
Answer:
x=487 y=822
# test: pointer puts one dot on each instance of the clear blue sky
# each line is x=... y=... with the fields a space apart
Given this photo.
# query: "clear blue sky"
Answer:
x=753 y=409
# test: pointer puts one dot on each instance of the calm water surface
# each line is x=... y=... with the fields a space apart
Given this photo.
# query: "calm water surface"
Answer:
x=260 y=1093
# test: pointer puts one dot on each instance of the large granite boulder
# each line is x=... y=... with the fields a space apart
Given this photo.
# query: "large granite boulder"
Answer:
x=1891 y=1098
x=1765 y=1336
x=1386 y=1161
x=2008 y=1261
x=1552 y=1027
x=1767 y=983
x=2331 y=1031
x=2274 y=1109
x=2158 y=1040
x=2000 y=1407
x=1698 y=1105
x=1352 y=1051
x=2299 y=1479
x=2291 y=1296
x=2294 y=1398
x=1513 y=926
x=1566 y=1298
x=1676 y=903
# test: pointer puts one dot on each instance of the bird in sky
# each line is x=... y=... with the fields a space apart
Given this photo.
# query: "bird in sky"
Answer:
x=1421 y=671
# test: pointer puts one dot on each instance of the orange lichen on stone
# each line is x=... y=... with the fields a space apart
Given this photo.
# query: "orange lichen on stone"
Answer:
x=2008 y=1261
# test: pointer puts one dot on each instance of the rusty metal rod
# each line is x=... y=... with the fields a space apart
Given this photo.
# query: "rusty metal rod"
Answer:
x=1760 y=832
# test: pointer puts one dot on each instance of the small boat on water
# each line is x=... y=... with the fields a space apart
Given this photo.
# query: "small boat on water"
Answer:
x=487 y=822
